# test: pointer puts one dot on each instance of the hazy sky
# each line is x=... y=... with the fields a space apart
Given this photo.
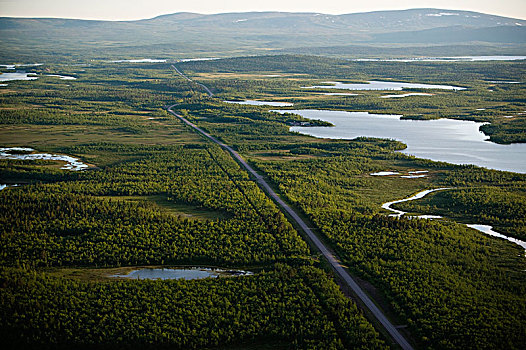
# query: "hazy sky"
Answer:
x=138 y=9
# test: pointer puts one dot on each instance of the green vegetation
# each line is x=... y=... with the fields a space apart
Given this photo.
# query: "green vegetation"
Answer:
x=132 y=209
x=182 y=209
x=446 y=281
x=188 y=35
x=452 y=286
x=502 y=205
x=89 y=230
x=300 y=308
x=498 y=100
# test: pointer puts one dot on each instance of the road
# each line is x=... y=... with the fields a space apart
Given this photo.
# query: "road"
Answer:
x=390 y=328
x=210 y=94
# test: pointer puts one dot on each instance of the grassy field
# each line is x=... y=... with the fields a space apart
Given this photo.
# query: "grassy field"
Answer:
x=179 y=209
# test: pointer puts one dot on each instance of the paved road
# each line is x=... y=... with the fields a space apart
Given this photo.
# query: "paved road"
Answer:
x=323 y=249
x=210 y=94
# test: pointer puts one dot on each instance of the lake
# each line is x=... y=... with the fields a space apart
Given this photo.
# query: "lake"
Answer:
x=17 y=76
x=380 y=85
x=199 y=59
x=13 y=66
x=447 y=140
x=444 y=59
x=188 y=273
x=143 y=60
x=261 y=103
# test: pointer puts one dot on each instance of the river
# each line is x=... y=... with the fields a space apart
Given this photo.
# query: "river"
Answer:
x=486 y=229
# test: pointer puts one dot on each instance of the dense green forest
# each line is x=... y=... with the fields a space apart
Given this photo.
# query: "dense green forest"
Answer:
x=94 y=227
x=502 y=207
x=151 y=178
x=140 y=204
x=328 y=182
x=440 y=276
x=286 y=307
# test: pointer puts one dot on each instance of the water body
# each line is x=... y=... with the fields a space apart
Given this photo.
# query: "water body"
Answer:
x=23 y=153
x=190 y=273
x=381 y=85
x=504 y=82
x=62 y=77
x=447 y=140
x=199 y=59
x=18 y=76
x=410 y=174
x=444 y=59
x=405 y=95
x=262 y=103
x=143 y=60
x=399 y=213
x=482 y=228
x=489 y=231
x=4 y=186
x=339 y=94
x=385 y=173
x=13 y=66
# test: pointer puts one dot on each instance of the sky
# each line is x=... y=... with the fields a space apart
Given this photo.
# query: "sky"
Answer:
x=140 y=9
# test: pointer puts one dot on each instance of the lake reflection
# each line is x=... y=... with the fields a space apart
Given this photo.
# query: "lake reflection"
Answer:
x=190 y=273
x=447 y=140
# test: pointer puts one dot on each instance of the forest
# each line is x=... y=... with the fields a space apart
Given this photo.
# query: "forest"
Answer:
x=150 y=177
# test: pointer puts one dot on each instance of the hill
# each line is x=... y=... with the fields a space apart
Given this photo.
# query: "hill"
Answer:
x=190 y=34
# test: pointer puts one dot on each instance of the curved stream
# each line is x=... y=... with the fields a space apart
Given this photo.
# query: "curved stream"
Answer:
x=486 y=229
x=25 y=153
x=422 y=194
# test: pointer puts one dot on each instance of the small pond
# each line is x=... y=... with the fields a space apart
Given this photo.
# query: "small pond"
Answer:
x=406 y=95
x=187 y=273
x=262 y=103
x=199 y=59
x=3 y=186
x=61 y=77
x=142 y=60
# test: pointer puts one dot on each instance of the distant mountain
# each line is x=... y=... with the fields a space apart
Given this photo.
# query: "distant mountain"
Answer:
x=457 y=34
x=191 y=34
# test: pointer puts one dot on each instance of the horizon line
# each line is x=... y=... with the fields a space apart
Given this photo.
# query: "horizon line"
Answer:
x=242 y=12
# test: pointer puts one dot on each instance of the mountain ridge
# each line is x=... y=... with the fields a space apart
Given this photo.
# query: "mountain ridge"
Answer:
x=239 y=33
